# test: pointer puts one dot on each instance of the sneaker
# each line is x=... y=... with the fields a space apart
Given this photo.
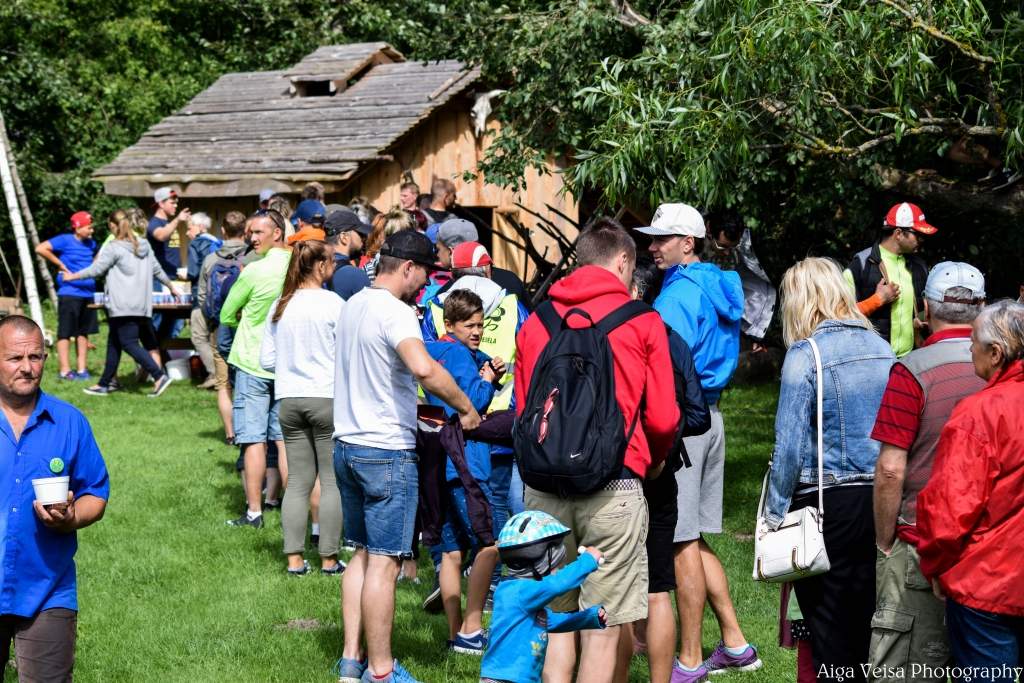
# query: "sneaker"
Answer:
x=349 y=670
x=681 y=675
x=470 y=646
x=69 y=375
x=276 y=505
x=301 y=571
x=245 y=521
x=97 y=390
x=411 y=580
x=335 y=570
x=349 y=548
x=161 y=386
x=314 y=540
x=398 y=675
x=114 y=385
x=433 y=603
x=84 y=374
x=721 y=661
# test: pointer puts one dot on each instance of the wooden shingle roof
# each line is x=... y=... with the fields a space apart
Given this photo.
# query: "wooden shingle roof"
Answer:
x=267 y=124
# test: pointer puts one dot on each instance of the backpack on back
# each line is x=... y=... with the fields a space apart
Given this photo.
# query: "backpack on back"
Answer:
x=570 y=438
x=223 y=274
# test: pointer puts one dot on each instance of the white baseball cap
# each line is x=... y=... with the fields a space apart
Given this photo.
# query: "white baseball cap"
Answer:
x=949 y=274
x=675 y=219
x=163 y=194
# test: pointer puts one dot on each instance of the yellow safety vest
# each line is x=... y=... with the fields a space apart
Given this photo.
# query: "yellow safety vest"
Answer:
x=498 y=339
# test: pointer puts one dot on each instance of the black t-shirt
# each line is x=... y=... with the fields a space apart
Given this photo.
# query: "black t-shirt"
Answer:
x=435 y=216
x=166 y=253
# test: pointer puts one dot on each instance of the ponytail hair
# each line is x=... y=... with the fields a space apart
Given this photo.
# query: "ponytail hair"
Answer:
x=306 y=254
x=123 y=228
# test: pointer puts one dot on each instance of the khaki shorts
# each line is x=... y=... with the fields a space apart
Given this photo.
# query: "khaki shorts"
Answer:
x=220 y=366
x=615 y=522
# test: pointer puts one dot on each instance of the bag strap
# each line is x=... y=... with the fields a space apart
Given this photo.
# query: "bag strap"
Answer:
x=821 y=430
x=549 y=317
x=622 y=315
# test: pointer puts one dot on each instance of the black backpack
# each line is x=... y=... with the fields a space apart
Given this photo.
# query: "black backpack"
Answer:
x=570 y=438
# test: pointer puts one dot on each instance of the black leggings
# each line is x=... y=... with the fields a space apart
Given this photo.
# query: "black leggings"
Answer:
x=129 y=334
x=838 y=605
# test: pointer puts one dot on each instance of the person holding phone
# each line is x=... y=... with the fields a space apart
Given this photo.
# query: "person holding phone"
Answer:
x=889 y=277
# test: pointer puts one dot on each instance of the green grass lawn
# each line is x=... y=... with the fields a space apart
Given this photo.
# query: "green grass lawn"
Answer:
x=169 y=593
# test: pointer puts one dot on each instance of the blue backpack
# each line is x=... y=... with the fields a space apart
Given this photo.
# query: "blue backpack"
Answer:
x=223 y=274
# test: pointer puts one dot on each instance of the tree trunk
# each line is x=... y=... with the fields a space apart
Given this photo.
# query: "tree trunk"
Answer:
x=24 y=255
x=26 y=210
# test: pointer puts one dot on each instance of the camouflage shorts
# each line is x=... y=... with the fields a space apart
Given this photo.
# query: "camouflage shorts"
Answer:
x=908 y=630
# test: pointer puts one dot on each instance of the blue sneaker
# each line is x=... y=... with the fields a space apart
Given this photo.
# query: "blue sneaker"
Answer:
x=470 y=645
x=398 y=675
x=84 y=374
x=349 y=670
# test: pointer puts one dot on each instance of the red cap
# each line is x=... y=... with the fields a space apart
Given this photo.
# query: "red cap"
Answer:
x=80 y=219
x=470 y=255
x=909 y=216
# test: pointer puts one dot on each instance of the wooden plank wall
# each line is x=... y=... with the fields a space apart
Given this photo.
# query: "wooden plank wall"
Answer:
x=444 y=146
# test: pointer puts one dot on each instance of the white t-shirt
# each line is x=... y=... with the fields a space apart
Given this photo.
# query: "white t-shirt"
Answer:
x=299 y=348
x=375 y=394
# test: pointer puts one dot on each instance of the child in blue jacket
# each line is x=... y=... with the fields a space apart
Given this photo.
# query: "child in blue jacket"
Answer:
x=531 y=547
x=477 y=375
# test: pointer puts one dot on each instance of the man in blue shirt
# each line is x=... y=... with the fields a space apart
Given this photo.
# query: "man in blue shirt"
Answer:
x=346 y=233
x=703 y=305
x=41 y=437
x=165 y=240
x=71 y=252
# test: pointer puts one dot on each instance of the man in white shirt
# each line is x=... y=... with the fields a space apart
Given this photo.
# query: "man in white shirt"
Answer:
x=380 y=358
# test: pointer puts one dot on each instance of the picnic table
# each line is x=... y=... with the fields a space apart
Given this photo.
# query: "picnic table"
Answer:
x=167 y=305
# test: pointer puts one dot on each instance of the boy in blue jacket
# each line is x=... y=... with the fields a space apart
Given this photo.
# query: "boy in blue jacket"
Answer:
x=477 y=375
x=531 y=546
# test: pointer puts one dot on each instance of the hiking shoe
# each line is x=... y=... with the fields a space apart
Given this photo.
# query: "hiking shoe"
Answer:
x=721 y=661
x=474 y=645
x=681 y=675
x=398 y=675
x=97 y=390
x=349 y=670
x=84 y=374
x=432 y=603
x=245 y=521
x=161 y=386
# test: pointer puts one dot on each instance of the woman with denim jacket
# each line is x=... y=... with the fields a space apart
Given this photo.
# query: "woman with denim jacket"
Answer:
x=837 y=605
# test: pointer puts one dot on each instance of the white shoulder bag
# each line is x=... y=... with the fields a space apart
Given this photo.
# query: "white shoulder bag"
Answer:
x=796 y=549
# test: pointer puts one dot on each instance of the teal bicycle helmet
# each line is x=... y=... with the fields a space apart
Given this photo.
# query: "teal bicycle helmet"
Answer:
x=530 y=543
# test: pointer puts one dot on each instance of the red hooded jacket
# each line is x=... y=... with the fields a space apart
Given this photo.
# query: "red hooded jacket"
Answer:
x=643 y=368
x=971 y=513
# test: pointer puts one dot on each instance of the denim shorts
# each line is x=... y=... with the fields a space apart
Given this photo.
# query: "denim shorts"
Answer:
x=254 y=410
x=379 y=496
x=457 y=532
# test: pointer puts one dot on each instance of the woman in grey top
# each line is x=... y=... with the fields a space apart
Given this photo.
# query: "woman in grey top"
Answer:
x=129 y=266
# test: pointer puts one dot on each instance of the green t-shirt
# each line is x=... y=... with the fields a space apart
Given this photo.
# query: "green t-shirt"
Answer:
x=256 y=288
x=901 y=311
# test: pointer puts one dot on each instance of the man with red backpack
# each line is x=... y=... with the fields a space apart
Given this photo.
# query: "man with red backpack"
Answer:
x=597 y=414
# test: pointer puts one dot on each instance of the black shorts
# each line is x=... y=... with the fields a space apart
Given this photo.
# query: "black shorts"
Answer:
x=75 y=318
x=147 y=335
x=663 y=510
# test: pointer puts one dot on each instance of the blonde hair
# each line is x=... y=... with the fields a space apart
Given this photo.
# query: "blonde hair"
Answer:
x=813 y=291
x=385 y=225
x=122 y=226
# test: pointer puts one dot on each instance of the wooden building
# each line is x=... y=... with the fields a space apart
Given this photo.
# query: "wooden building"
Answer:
x=356 y=118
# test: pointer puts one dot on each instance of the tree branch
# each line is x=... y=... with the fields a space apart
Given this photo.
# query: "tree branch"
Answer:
x=934 y=32
x=627 y=16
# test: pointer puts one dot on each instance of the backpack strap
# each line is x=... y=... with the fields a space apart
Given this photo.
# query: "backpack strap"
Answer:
x=622 y=315
x=549 y=318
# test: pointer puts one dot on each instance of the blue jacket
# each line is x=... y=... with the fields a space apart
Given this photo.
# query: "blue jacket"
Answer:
x=855 y=363
x=520 y=623
x=464 y=366
x=198 y=249
x=704 y=304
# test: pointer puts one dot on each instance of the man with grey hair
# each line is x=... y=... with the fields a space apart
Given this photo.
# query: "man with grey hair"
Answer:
x=201 y=244
x=924 y=386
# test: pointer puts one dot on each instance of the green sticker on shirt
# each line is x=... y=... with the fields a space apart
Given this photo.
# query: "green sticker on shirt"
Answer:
x=56 y=465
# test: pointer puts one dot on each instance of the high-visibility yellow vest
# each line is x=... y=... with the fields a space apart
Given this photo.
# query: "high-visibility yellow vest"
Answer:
x=498 y=339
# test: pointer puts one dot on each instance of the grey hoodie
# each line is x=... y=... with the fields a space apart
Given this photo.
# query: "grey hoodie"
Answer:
x=129 y=283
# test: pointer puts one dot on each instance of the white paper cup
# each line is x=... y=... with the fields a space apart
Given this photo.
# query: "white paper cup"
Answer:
x=51 y=490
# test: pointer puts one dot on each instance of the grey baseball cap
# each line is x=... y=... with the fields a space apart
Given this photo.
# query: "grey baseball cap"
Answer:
x=456 y=231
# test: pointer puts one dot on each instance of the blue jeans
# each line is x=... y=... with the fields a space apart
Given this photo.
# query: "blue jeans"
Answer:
x=379 y=495
x=254 y=410
x=984 y=640
x=516 y=492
